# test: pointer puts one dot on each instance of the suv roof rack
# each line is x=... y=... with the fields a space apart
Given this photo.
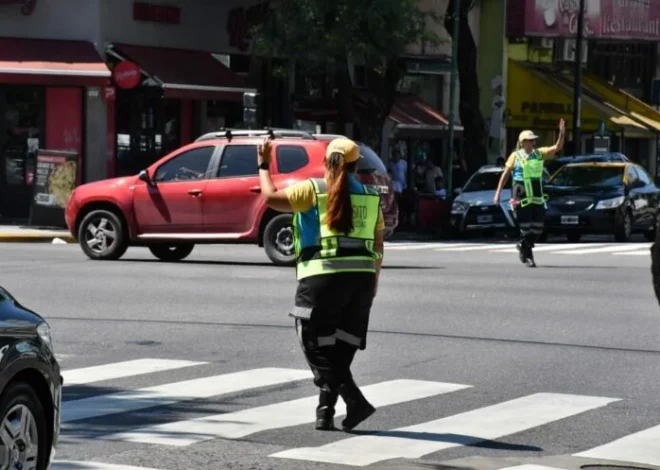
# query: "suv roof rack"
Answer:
x=273 y=133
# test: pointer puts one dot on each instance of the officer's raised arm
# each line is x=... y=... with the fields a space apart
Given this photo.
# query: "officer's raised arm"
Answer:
x=274 y=199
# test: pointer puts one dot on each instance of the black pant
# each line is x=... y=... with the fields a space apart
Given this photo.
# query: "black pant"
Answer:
x=530 y=222
x=332 y=319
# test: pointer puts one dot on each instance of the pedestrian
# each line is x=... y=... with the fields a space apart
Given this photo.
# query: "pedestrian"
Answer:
x=527 y=196
x=338 y=229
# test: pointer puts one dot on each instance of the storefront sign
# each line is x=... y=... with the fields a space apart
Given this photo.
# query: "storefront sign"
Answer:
x=27 y=7
x=109 y=93
x=615 y=19
x=127 y=75
x=156 y=13
x=241 y=20
x=56 y=177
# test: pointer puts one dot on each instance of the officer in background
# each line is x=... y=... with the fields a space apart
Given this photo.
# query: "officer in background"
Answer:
x=338 y=229
x=527 y=197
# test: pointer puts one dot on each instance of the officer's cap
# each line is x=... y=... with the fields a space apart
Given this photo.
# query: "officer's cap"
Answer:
x=527 y=135
x=345 y=147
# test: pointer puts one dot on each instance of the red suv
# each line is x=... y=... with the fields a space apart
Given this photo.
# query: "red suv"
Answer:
x=206 y=192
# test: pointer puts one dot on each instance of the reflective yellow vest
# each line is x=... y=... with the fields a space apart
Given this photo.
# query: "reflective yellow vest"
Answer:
x=532 y=177
x=334 y=252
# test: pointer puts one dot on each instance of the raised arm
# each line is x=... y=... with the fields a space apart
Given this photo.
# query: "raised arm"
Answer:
x=551 y=152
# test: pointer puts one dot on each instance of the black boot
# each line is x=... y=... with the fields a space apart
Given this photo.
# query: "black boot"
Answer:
x=325 y=412
x=530 y=255
x=357 y=407
x=521 y=252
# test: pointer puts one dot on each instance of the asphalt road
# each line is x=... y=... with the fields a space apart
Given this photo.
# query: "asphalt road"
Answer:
x=541 y=364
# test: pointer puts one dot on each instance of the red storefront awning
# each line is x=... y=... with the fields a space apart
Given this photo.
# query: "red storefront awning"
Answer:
x=51 y=62
x=411 y=112
x=186 y=74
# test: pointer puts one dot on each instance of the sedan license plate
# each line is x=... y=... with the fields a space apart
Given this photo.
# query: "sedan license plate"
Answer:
x=484 y=219
x=569 y=220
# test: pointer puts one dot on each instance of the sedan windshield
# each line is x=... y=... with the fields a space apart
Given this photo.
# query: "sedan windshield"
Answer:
x=588 y=176
x=486 y=181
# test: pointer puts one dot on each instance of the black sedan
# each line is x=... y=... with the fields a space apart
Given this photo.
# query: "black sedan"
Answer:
x=30 y=388
x=602 y=198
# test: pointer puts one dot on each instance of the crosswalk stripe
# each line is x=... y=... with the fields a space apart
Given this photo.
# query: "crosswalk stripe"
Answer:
x=554 y=247
x=420 y=246
x=605 y=249
x=634 y=253
x=530 y=466
x=289 y=413
x=468 y=248
x=641 y=447
x=87 y=465
x=124 y=369
x=167 y=394
x=415 y=441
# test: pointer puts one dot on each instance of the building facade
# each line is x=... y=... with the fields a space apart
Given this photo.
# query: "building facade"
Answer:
x=619 y=65
x=119 y=82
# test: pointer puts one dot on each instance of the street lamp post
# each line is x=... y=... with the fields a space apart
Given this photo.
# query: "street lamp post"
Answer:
x=577 y=92
x=452 y=93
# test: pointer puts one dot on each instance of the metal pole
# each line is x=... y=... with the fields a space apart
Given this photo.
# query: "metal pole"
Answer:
x=577 y=92
x=452 y=95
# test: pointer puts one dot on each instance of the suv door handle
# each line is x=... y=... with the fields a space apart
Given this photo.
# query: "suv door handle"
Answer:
x=195 y=192
x=255 y=189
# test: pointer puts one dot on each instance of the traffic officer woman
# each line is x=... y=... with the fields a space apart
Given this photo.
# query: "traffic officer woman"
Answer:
x=527 y=196
x=338 y=231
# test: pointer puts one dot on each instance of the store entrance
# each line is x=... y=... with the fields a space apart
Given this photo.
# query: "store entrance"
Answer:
x=21 y=135
x=148 y=128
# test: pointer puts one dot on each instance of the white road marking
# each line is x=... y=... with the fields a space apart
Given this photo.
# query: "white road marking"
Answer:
x=641 y=447
x=79 y=465
x=529 y=466
x=469 y=248
x=416 y=441
x=635 y=253
x=555 y=247
x=167 y=394
x=422 y=246
x=606 y=249
x=120 y=370
x=279 y=415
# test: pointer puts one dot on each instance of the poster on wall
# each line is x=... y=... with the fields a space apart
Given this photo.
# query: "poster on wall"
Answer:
x=56 y=177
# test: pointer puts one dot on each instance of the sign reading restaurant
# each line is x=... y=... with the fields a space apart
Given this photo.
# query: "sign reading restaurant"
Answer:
x=611 y=19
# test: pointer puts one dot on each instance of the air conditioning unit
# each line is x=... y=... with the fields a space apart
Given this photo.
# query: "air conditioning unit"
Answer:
x=567 y=53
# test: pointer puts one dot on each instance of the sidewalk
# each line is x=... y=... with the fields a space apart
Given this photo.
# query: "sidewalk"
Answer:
x=26 y=234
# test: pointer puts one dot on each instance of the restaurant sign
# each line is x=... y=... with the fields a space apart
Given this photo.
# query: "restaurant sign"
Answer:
x=610 y=19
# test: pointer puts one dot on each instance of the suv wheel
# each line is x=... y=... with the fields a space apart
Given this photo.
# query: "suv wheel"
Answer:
x=101 y=236
x=25 y=436
x=279 y=241
x=175 y=252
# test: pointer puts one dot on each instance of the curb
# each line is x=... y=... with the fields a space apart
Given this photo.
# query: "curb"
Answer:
x=35 y=238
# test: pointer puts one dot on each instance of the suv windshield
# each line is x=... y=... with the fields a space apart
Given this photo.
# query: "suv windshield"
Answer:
x=588 y=176
x=370 y=161
x=486 y=181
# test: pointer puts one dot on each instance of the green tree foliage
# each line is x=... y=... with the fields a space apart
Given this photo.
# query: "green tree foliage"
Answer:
x=322 y=35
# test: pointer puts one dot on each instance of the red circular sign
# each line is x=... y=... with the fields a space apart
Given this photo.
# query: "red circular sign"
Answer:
x=127 y=75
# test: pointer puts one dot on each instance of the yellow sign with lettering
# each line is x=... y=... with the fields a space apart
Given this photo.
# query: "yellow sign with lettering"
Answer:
x=533 y=102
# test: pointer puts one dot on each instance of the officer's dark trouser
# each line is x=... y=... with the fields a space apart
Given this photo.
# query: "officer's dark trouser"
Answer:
x=332 y=318
x=528 y=218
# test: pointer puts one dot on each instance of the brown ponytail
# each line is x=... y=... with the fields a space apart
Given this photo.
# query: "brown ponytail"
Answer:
x=340 y=212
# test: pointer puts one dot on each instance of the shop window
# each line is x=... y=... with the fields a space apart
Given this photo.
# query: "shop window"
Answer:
x=192 y=165
x=239 y=160
x=291 y=158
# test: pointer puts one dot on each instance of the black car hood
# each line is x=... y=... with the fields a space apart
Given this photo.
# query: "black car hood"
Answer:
x=14 y=316
x=594 y=192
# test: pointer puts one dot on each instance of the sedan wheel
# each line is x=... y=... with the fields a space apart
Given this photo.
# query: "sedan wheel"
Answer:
x=22 y=430
x=624 y=230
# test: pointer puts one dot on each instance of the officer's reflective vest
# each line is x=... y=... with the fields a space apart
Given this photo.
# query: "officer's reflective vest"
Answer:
x=532 y=174
x=340 y=252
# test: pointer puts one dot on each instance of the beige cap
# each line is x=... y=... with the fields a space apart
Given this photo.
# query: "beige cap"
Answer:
x=527 y=135
x=345 y=147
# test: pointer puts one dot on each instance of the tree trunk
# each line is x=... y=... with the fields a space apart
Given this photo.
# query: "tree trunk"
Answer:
x=474 y=125
x=372 y=115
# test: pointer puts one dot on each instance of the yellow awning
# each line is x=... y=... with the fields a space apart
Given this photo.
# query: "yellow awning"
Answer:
x=636 y=108
x=537 y=99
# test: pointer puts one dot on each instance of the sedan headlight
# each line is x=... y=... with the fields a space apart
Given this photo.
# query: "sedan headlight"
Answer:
x=610 y=203
x=459 y=207
x=43 y=330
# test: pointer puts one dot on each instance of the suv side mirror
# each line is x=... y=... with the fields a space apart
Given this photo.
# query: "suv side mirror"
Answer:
x=144 y=176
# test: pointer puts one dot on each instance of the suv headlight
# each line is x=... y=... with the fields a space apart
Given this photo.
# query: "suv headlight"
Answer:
x=610 y=203
x=43 y=330
x=459 y=207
